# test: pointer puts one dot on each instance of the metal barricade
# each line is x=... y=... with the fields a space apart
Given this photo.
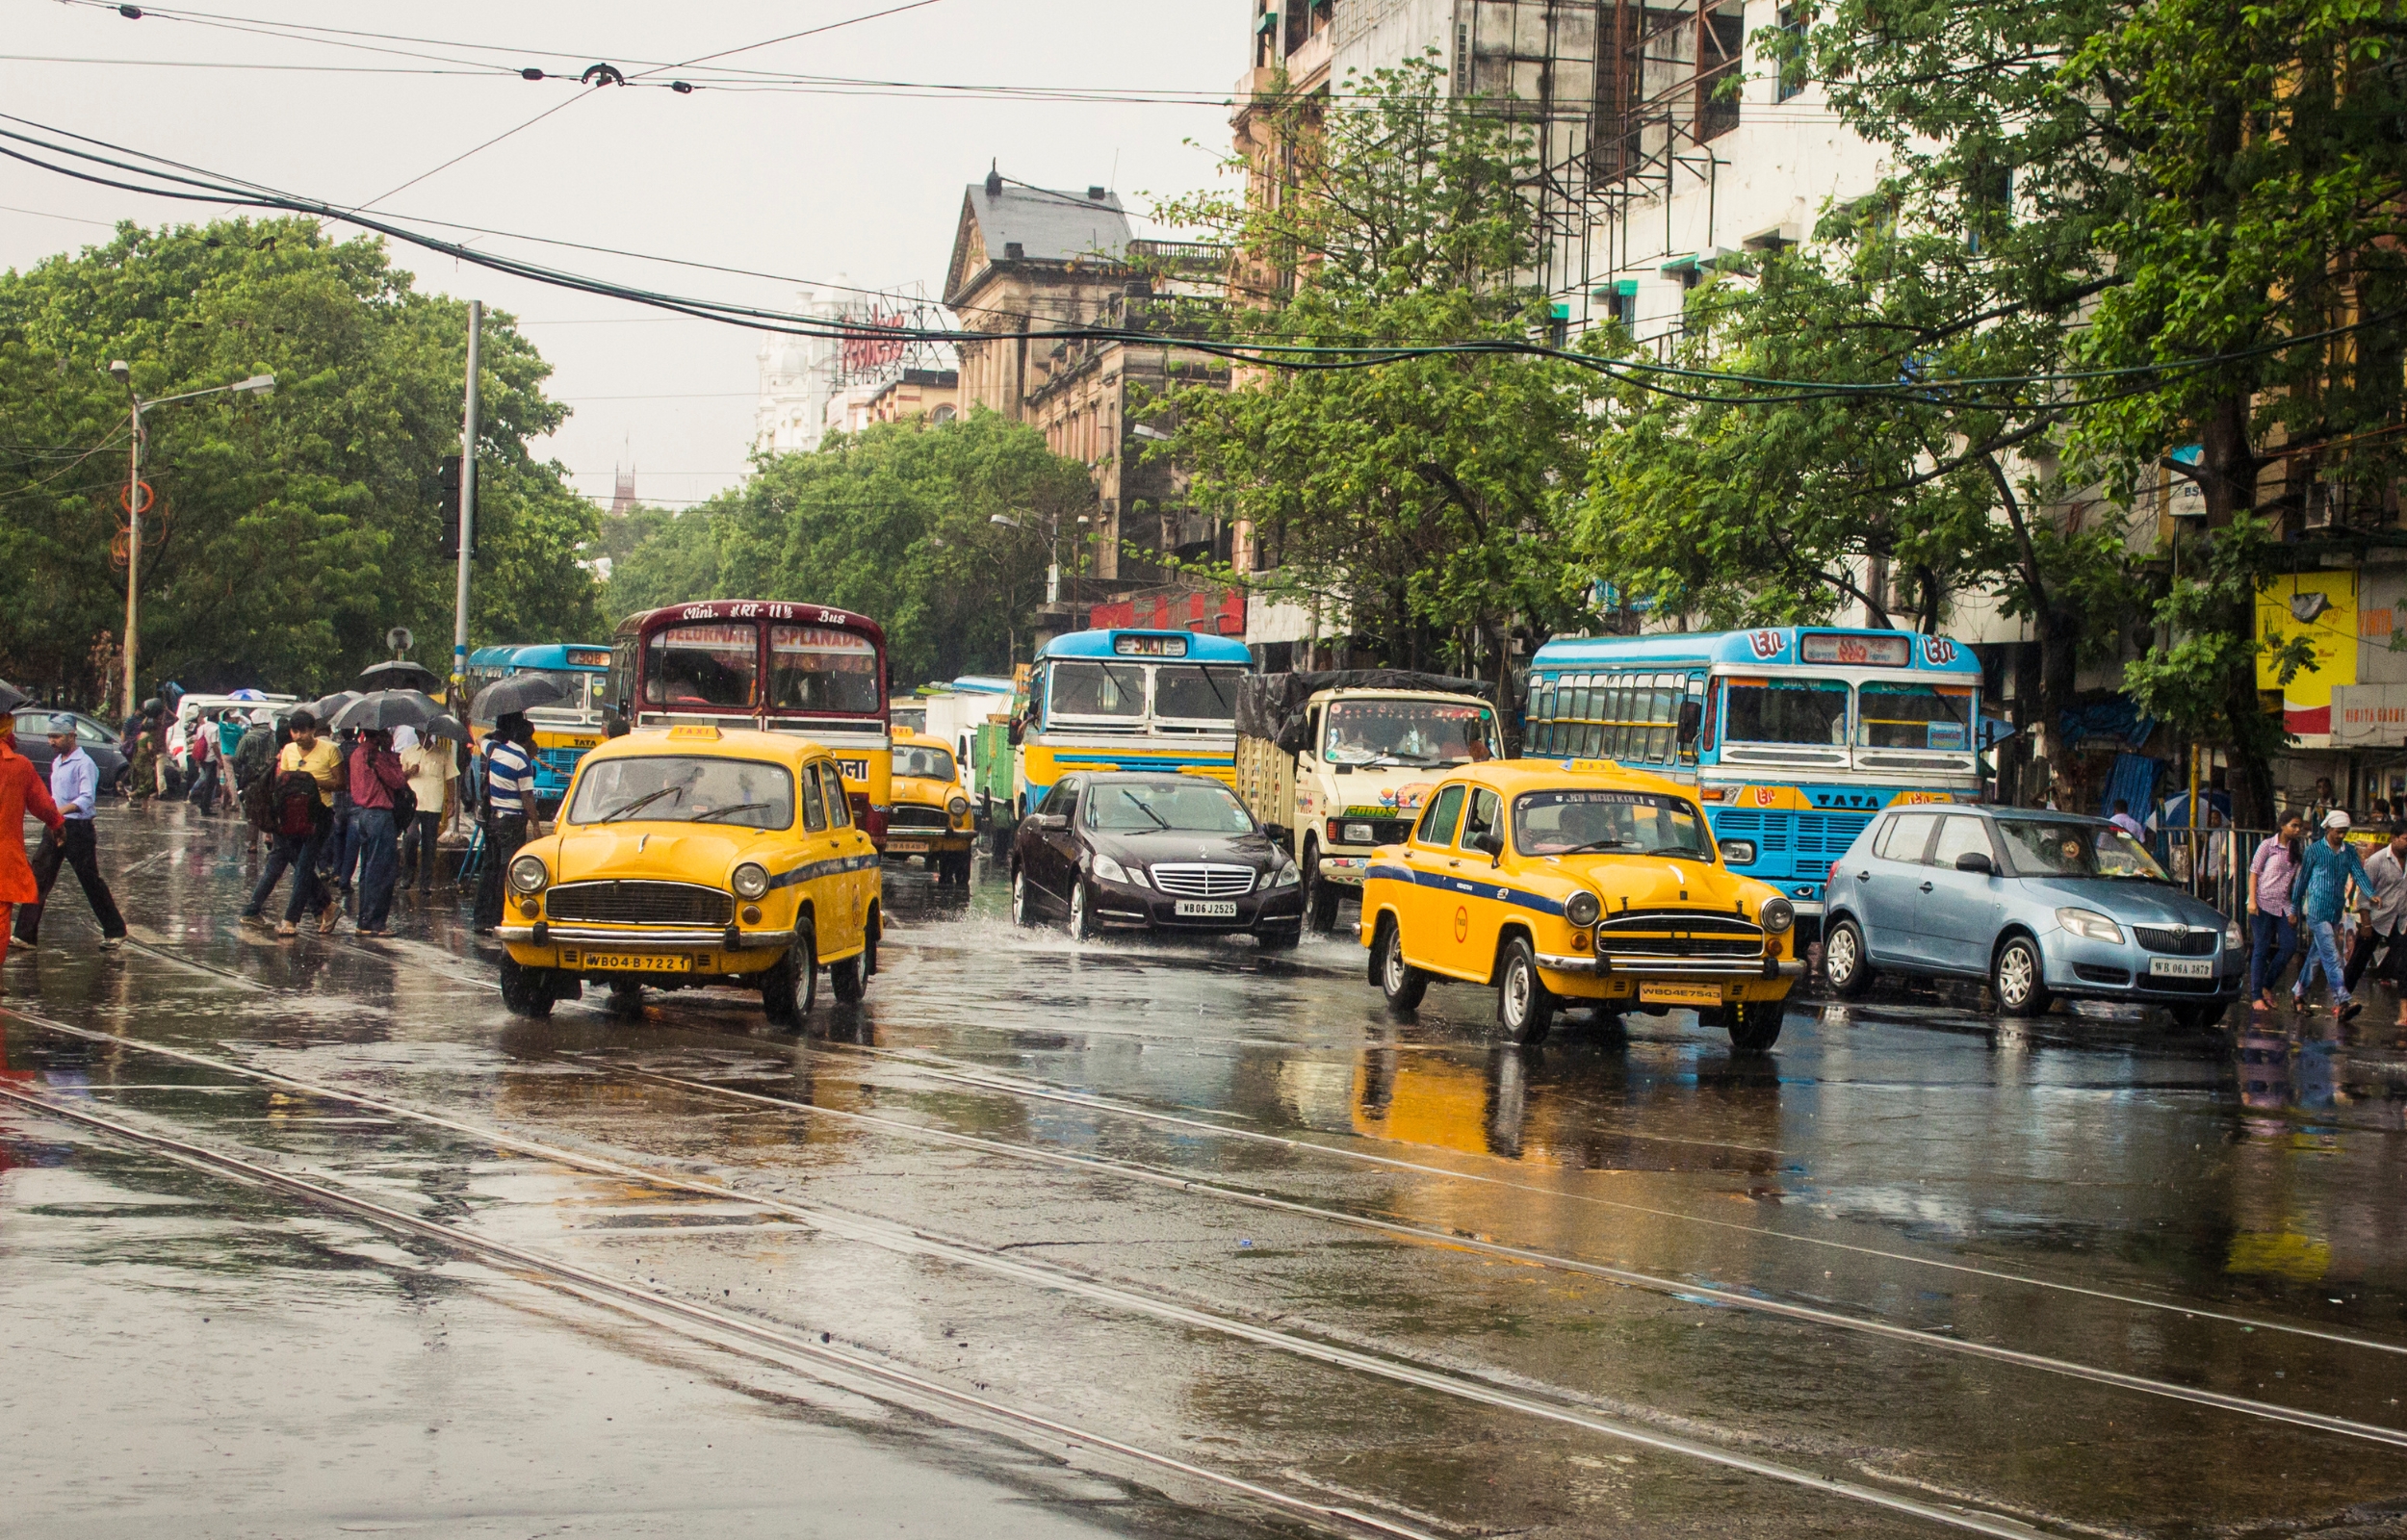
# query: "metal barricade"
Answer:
x=2212 y=863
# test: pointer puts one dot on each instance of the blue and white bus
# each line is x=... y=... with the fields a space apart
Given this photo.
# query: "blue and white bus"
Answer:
x=1794 y=736
x=1129 y=700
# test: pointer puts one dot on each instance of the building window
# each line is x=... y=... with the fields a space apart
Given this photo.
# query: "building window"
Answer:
x=1792 y=55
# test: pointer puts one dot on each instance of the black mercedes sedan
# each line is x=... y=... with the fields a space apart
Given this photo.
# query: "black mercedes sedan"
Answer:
x=1166 y=853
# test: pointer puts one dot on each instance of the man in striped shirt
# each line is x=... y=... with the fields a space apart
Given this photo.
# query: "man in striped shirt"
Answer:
x=510 y=810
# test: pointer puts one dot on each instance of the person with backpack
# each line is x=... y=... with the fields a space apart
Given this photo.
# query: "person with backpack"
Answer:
x=254 y=757
x=380 y=787
x=510 y=810
x=301 y=811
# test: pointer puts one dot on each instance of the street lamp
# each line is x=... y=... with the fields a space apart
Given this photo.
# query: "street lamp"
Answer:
x=1147 y=431
x=135 y=503
x=1052 y=548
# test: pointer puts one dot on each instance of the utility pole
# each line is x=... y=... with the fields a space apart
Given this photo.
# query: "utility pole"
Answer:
x=467 y=511
x=133 y=553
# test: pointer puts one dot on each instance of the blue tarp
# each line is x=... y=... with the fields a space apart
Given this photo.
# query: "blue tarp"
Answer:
x=2134 y=781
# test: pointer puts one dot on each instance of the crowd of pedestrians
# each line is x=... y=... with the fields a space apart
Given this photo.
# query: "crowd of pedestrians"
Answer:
x=2338 y=914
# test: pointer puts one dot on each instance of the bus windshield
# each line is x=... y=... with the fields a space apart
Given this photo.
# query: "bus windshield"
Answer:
x=1787 y=712
x=685 y=788
x=1895 y=715
x=928 y=764
x=1408 y=732
x=1193 y=693
x=711 y=664
x=1099 y=689
x=1619 y=823
x=818 y=668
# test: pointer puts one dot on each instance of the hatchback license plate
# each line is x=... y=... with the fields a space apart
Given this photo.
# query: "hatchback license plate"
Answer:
x=1680 y=993
x=1205 y=908
x=2179 y=967
x=637 y=963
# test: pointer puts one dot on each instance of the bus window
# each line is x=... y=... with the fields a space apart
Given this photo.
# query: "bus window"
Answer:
x=1097 y=689
x=1912 y=716
x=1189 y=693
x=1786 y=711
x=705 y=665
x=817 y=668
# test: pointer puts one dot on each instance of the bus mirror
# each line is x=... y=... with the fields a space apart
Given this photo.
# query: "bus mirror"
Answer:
x=1015 y=731
x=1691 y=720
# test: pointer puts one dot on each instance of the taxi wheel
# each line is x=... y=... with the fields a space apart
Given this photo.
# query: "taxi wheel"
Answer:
x=851 y=978
x=1320 y=894
x=1525 y=1007
x=1023 y=902
x=524 y=991
x=1400 y=980
x=1756 y=1024
x=1845 y=965
x=626 y=998
x=1082 y=926
x=2018 y=979
x=791 y=986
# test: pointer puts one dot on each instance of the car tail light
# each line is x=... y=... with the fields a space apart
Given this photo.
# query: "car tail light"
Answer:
x=1832 y=881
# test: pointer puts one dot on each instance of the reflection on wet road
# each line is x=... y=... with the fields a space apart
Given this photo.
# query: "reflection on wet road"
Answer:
x=1165 y=1238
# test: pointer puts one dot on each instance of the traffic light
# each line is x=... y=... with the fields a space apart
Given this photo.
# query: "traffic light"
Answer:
x=450 y=499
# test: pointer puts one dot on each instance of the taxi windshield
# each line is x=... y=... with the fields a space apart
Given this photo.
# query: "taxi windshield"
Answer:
x=928 y=764
x=2051 y=847
x=1620 y=823
x=1419 y=733
x=1204 y=807
x=685 y=789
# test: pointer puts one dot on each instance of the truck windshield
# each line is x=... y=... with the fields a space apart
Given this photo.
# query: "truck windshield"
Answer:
x=1787 y=712
x=1408 y=732
x=1618 y=823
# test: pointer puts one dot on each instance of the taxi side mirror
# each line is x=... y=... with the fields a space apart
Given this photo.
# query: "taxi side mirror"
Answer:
x=1488 y=842
x=1692 y=721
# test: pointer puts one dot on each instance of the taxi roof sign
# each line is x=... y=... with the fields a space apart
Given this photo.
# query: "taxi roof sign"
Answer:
x=1591 y=764
x=693 y=733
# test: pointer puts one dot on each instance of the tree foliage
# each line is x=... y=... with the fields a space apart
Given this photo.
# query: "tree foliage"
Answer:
x=894 y=522
x=1419 y=503
x=292 y=530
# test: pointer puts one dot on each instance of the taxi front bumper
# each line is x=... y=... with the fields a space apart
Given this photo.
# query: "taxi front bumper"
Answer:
x=1674 y=967
x=726 y=939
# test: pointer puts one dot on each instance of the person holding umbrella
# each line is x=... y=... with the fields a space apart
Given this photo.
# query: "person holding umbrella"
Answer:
x=376 y=774
x=431 y=771
x=21 y=793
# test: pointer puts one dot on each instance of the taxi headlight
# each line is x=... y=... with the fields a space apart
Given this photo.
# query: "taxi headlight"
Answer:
x=751 y=879
x=1778 y=914
x=1582 y=909
x=529 y=875
x=957 y=807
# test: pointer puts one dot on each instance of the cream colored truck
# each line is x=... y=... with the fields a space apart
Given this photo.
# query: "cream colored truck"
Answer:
x=1335 y=764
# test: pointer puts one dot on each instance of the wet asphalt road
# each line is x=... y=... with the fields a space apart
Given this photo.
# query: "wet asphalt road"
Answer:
x=311 y=1238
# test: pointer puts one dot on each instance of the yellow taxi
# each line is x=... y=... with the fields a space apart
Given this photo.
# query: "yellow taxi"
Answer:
x=930 y=816
x=1575 y=880
x=695 y=855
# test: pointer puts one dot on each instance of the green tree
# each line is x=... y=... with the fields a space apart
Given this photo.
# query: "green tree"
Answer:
x=895 y=522
x=291 y=531
x=1420 y=502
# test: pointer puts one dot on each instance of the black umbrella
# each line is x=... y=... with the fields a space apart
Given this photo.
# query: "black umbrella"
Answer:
x=516 y=693
x=399 y=675
x=328 y=709
x=10 y=697
x=444 y=725
x=387 y=710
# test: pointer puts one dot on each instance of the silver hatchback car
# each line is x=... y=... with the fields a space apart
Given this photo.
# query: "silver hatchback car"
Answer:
x=2040 y=905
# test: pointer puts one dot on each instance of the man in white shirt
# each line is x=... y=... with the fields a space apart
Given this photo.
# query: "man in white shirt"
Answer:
x=2383 y=913
x=2123 y=820
x=75 y=786
x=431 y=769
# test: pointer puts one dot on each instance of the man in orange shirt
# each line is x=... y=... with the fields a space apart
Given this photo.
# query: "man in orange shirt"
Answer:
x=21 y=791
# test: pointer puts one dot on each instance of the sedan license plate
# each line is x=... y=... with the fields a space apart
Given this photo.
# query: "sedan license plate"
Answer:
x=2179 y=967
x=1680 y=993
x=637 y=963
x=907 y=847
x=1205 y=908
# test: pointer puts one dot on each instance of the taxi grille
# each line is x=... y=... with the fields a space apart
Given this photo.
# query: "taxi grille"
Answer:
x=639 y=904
x=2179 y=943
x=1203 y=878
x=915 y=815
x=1678 y=932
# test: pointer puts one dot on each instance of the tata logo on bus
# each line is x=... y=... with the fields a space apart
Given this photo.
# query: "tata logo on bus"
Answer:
x=1768 y=645
x=1938 y=650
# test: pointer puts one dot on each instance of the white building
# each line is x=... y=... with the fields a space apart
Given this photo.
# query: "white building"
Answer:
x=798 y=377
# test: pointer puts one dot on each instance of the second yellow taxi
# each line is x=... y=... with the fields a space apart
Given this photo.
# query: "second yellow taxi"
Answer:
x=1554 y=881
x=695 y=855
x=930 y=816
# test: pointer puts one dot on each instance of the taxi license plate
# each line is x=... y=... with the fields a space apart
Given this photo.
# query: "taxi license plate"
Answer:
x=637 y=963
x=1205 y=908
x=907 y=847
x=2179 y=967
x=1680 y=993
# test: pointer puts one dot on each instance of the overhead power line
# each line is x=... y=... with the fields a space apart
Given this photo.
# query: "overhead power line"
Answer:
x=1667 y=379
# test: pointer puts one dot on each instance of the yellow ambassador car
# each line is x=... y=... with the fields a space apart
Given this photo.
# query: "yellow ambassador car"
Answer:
x=696 y=857
x=929 y=812
x=1575 y=880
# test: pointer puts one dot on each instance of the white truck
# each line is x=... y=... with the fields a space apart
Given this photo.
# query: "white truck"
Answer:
x=1336 y=765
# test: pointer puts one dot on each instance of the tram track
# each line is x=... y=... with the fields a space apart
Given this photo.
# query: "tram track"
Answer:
x=1118 y=1298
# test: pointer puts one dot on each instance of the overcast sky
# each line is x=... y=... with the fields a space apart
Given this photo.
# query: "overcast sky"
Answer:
x=794 y=179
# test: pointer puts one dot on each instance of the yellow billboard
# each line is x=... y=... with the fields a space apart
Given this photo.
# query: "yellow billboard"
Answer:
x=2322 y=608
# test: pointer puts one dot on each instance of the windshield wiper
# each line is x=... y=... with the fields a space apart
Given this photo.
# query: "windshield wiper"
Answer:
x=1596 y=845
x=640 y=802
x=1130 y=799
x=708 y=814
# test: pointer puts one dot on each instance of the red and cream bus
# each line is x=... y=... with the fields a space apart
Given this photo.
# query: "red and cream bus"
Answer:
x=769 y=664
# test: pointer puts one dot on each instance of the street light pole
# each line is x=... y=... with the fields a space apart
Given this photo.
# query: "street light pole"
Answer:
x=135 y=506
x=467 y=510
